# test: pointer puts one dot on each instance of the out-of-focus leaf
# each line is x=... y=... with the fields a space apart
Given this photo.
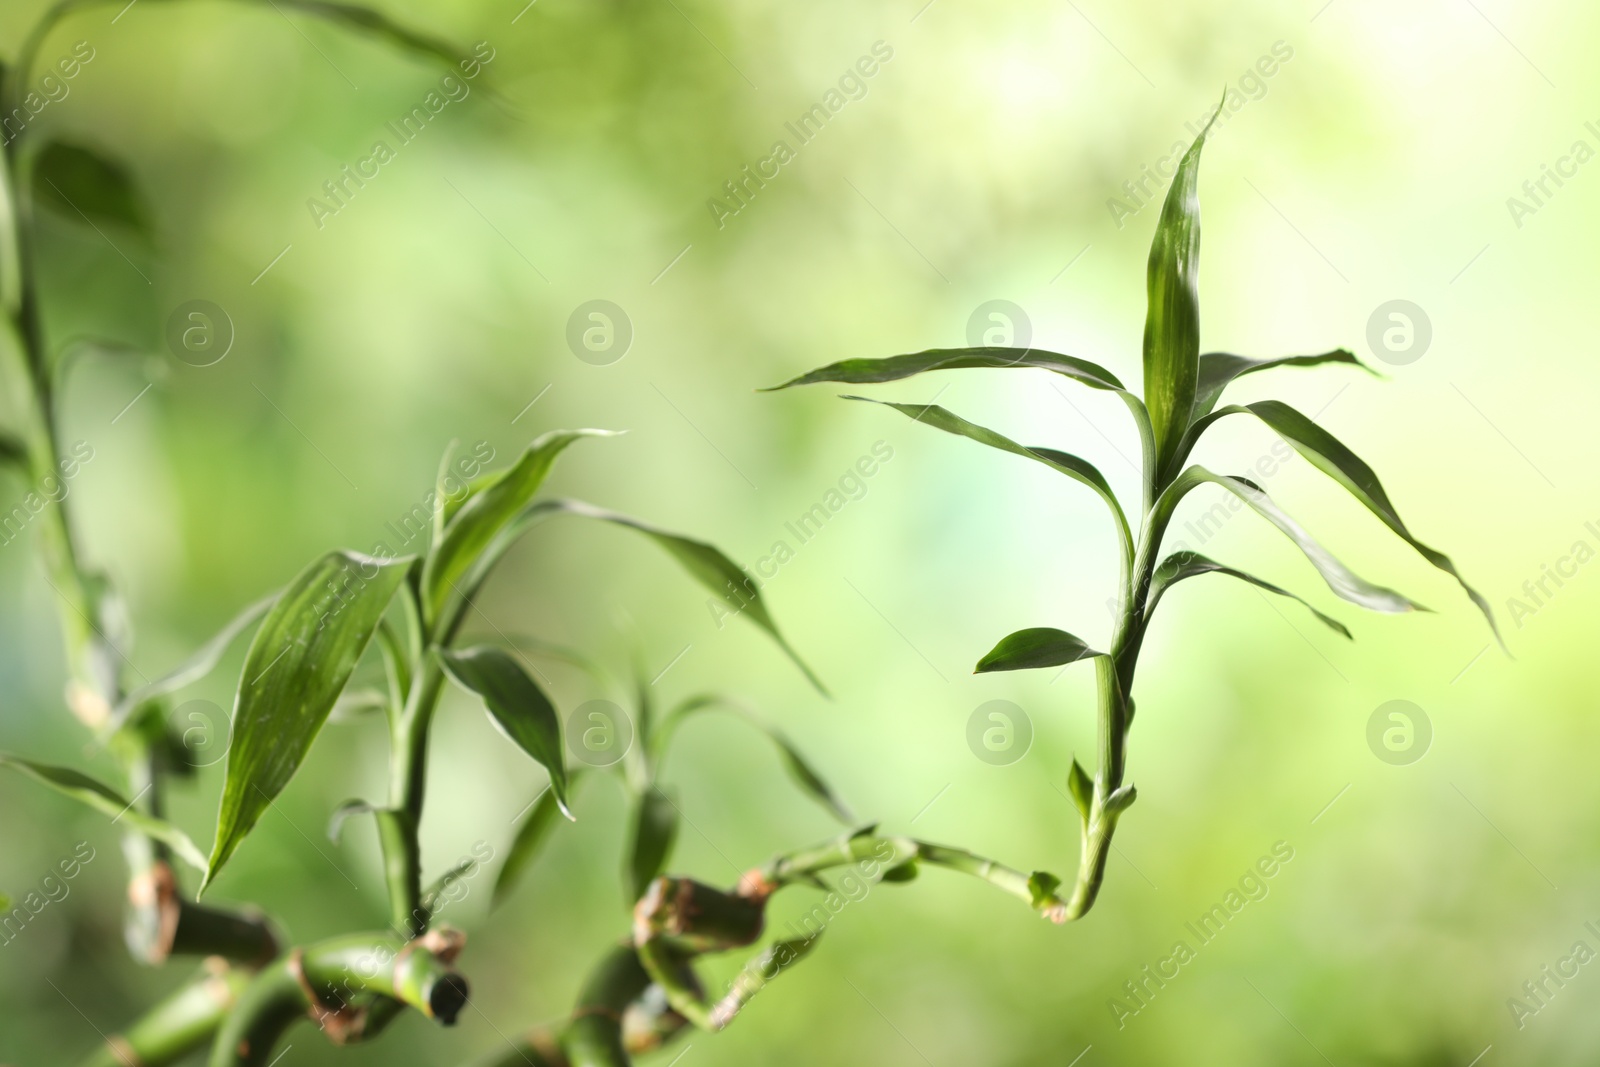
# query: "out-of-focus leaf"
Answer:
x=431 y=895
x=13 y=453
x=202 y=662
x=1042 y=886
x=297 y=665
x=894 y=368
x=336 y=821
x=1218 y=369
x=655 y=828
x=380 y=26
x=1341 y=579
x=797 y=766
x=1329 y=455
x=1074 y=467
x=517 y=704
x=1037 y=646
x=530 y=840
x=1180 y=565
x=1172 y=325
x=905 y=872
x=83 y=185
x=357 y=704
x=705 y=564
x=483 y=515
x=108 y=801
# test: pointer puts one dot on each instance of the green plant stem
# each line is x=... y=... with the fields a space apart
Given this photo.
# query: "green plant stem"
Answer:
x=178 y=1025
x=408 y=774
x=350 y=986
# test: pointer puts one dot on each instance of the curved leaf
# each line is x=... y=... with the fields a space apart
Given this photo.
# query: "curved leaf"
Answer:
x=1329 y=455
x=894 y=368
x=108 y=801
x=1038 y=646
x=1172 y=326
x=344 y=811
x=517 y=704
x=1074 y=467
x=797 y=766
x=297 y=665
x=704 y=562
x=81 y=184
x=655 y=829
x=1218 y=369
x=530 y=839
x=202 y=662
x=1180 y=565
x=483 y=515
x=1343 y=581
x=380 y=26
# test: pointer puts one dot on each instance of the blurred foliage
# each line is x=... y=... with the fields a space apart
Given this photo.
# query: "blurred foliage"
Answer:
x=1375 y=165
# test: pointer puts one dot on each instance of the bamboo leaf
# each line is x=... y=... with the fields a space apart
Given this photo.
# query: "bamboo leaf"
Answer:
x=202 y=662
x=1180 y=565
x=515 y=702
x=1329 y=455
x=1343 y=581
x=529 y=841
x=1038 y=646
x=298 y=664
x=1172 y=326
x=483 y=516
x=1081 y=786
x=796 y=764
x=655 y=829
x=1218 y=369
x=431 y=895
x=82 y=185
x=1074 y=467
x=381 y=27
x=344 y=811
x=13 y=453
x=704 y=563
x=108 y=801
x=894 y=368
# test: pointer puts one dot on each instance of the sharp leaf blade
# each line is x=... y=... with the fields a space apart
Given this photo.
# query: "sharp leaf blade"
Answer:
x=1038 y=646
x=1180 y=565
x=517 y=704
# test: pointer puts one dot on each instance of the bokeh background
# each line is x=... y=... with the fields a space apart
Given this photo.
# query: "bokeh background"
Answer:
x=1374 y=165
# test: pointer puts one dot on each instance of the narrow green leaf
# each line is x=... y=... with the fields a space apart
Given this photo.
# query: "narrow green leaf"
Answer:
x=344 y=811
x=1081 y=786
x=1180 y=565
x=1329 y=455
x=706 y=565
x=1038 y=646
x=1218 y=369
x=900 y=874
x=477 y=522
x=1341 y=579
x=84 y=186
x=108 y=801
x=655 y=828
x=530 y=840
x=517 y=704
x=894 y=368
x=297 y=665
x=1074 y=467
x=381 y=27
x=1172 y=326
x=202 y=662
x=356 y=704
x=431 y=895
x=797 y=766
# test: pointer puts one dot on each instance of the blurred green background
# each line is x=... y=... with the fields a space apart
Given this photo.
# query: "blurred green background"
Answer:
x=977 y=164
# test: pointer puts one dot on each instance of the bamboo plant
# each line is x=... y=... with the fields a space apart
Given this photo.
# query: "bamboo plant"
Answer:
x=1182 y=391
x=348 y=612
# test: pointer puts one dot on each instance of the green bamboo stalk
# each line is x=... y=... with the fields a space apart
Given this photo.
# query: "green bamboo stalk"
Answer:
x=178 y=1025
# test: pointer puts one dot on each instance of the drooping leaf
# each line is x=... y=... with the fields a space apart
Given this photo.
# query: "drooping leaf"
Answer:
x=1172 y=326
x=530 y=840
x=81 y=184
x=894 y=368
x=108 y=801
x=704 y=563
x=1329 y=455
x=1218 y=369
x=655 y=828
x=517 y=704
x=202 y=662
x=795 y=763
x=1341 y=579
x=382 y=27
x=1074 y=467
x=482 y=516
x=344 y=811
x=431 y=895
x=298 y=664
x=1037 y=646
x=1180 y=565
